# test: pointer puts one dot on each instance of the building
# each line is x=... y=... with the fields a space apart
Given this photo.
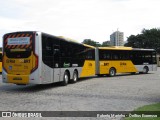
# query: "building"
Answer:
x=116 y=38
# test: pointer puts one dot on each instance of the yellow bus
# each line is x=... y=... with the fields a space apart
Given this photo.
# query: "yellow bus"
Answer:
x=32 y=57
x=112 y=60
x=0 y=62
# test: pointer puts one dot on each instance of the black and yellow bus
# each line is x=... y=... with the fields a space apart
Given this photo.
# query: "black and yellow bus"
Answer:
x=33 y=57
x=112 y=60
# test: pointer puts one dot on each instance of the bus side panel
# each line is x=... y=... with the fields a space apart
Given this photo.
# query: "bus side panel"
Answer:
x=47 y=74
x=35 y=77
x=44 y=73
x=150 y=67
x=120 y=66
x=88 y=68
x=154 y=67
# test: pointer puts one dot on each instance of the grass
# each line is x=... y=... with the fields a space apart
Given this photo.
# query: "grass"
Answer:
x=153 y=108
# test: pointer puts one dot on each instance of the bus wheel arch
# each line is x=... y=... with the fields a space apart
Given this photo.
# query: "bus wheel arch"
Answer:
x=74 y=76
x=66 y=78
x=112 y=72
x=145 y=69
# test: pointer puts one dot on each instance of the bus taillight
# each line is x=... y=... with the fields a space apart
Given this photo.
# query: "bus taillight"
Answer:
x=36 y=63
x=3 y=64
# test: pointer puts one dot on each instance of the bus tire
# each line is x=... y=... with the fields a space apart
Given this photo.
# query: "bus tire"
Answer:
x=145 y=70
x=65 y=78
x=75 y=77
x=112 y=72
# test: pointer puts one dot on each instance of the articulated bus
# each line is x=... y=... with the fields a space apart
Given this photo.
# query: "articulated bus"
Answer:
x=112 y=60
x=38 y=58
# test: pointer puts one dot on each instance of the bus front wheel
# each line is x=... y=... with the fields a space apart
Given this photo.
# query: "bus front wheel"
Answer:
x=112 y=72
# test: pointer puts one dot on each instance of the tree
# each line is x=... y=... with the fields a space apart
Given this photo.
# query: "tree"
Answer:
x=91 y=42
x=149 y=39
x=106 y=44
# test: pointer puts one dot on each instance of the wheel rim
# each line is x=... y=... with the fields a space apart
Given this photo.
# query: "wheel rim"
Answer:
x=75 y=77
x=144 y=70
x=66 y=78
x=112 y=72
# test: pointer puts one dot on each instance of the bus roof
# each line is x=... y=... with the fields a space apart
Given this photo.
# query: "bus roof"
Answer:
x=88 y=46
x=116 y=48
x=124 y=48
x=68 y=39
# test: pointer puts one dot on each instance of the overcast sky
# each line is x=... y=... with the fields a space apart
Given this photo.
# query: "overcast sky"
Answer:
x=79 y=19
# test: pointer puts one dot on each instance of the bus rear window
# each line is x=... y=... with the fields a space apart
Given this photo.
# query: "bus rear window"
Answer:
x=18 y=54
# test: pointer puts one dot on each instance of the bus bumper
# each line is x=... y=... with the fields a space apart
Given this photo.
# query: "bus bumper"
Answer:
x=16 y=79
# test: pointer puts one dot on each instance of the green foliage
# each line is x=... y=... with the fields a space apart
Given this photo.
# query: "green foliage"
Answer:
x=106 y=44
x=148 y=39
x=94 y=43
x=142 y=118
x=91 y=42
x=152 y=107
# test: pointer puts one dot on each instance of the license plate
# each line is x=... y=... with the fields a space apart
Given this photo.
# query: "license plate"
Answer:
x=17 y=78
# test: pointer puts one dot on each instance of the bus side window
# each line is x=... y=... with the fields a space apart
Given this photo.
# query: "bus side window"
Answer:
x=56 y=52
x=90 y=55
x=106 y=56
x=115 y=56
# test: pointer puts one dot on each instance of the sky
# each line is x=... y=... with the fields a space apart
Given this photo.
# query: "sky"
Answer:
x=79 y=19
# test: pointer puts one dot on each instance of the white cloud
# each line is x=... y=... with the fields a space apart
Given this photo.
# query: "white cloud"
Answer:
x=80 y=19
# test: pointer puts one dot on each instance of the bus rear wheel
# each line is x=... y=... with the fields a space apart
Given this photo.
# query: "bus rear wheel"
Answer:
x=112 y=72
x=65 y=78
x=145 y=70
x=75 y=77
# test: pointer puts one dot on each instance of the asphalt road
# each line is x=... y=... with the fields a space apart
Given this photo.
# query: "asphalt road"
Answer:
x=123 y=92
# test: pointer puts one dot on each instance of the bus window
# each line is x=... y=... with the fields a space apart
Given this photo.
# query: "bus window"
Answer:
x=56 y=53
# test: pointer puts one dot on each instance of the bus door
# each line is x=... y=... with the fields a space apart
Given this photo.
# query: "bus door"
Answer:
x=56 y=63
